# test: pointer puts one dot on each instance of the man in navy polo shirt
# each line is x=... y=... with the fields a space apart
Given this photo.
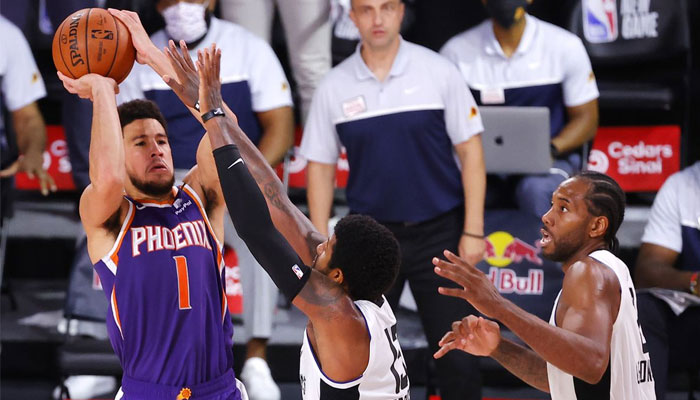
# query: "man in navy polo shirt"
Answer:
x=514 y=59
x=404 y=114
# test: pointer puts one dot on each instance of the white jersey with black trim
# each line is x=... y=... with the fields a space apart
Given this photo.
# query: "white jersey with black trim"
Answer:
x=384 y=378
x=628 y=376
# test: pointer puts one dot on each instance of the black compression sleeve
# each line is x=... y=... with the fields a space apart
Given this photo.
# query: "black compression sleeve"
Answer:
x=251 y=217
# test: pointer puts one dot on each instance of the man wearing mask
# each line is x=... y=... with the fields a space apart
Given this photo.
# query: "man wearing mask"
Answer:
x=255 y=87
x=403 y=113
x=515 y=59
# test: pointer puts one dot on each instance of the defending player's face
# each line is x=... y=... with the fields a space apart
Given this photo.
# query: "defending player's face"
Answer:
x=566 y=221
x=149 y=164
x=324 y=252
x=379 y=21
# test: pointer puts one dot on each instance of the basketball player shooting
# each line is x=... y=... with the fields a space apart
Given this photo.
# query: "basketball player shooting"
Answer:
x=593 y=347
x=350 y=348
x=156 y=251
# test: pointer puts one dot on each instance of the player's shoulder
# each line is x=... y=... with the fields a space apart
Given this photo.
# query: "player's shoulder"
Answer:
x=424 y=55
x=339 y=77
x=558 y=37
x=687 y=179
x=8 y=28
x=467 y=44
x=592 y=273
x=10 y=33
x=687 y=176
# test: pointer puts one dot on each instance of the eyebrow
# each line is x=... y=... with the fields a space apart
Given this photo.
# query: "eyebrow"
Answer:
x=564 y=199
x=142 y=136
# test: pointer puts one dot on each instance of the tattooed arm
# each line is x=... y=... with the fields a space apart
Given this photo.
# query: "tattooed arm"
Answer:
x=288 y=219
x=338 y=332
x=482 y=337
x=523 y=363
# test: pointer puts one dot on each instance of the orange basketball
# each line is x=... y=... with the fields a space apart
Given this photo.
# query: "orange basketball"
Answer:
x=92 y=40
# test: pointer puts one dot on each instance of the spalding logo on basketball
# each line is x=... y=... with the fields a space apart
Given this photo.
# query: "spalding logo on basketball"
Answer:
x=92 y=40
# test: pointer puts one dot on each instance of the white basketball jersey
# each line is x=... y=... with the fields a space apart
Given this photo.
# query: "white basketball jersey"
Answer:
x=385 y=377
x=628 y=376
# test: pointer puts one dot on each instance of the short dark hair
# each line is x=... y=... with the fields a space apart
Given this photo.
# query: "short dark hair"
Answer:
x=368 y=254
x=140 y=109
x=605 y=198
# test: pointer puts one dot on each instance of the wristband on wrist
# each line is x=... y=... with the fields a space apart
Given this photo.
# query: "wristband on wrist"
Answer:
x=472 y=235
x=694 y=289
x=217 y=112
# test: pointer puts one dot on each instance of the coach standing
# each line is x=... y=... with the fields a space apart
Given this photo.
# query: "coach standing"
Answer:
x=403 y=113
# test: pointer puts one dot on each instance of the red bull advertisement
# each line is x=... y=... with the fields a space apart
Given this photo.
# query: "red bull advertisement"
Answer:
x=502 y=250
x=600 y=20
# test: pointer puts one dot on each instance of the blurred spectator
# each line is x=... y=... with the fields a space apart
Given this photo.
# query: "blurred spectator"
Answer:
x=254 y=86
x=401 y=110
x=514 y=59
x=307 y=31
x=345 y=34
x=668 y=263
x=21 y=86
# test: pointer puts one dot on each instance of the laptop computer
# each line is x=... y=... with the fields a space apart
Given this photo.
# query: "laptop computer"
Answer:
x=516 y=140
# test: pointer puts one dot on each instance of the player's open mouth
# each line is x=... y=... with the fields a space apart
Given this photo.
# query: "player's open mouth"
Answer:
x=546 y=237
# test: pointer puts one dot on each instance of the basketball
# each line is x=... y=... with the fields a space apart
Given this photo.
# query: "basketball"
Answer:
x=92 y=40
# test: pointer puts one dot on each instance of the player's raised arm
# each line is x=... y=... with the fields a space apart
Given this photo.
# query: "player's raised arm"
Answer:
x=103 y=197
x=288 y=219
x=580 y=346
x=330 y=309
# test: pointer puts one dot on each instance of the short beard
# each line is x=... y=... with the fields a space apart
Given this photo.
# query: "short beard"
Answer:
x=564 y=249
x=153 y=189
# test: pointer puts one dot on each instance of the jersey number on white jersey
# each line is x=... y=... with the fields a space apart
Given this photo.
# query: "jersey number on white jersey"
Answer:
x=400 y=376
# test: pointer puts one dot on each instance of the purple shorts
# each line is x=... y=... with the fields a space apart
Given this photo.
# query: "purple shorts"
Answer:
x=221 y=388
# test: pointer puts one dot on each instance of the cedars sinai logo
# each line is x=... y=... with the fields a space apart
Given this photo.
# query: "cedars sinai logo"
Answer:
x=639 y=158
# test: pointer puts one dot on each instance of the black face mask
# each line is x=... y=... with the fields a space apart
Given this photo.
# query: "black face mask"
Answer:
x=503 y=11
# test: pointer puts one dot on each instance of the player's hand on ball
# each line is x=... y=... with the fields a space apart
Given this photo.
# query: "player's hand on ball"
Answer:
x=186 y=86
x=142 y=43
x=85 y=85
x=474 y=335
x=208 y=66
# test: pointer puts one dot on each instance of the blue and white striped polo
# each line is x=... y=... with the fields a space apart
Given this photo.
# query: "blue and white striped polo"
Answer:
x=399 y=134
x=674 y=222
x=550 y=68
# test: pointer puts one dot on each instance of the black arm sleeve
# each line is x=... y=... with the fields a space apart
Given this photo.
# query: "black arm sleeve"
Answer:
x=252 y=220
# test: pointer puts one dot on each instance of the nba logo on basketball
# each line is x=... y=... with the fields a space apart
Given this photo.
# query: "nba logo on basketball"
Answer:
x=600 y=20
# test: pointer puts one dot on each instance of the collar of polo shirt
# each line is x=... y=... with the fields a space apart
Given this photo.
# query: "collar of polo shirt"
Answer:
x=492 y=47
x=363 y=72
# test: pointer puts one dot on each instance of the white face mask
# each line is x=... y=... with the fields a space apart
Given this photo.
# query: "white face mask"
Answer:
x=185 y=21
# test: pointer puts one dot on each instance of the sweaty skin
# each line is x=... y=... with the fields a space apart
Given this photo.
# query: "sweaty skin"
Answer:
x=579 y=344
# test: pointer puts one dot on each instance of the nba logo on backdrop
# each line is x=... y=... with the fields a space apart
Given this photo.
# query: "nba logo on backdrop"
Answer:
x=600 y=20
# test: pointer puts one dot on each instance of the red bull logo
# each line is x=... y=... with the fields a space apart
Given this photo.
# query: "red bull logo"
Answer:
x=502 y=249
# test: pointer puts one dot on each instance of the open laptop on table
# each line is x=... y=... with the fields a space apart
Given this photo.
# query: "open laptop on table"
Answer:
x=516 y=140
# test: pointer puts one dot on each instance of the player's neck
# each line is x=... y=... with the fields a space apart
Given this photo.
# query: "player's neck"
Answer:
x=140 y=196
x=379 y=60
x=584 y=251
x=509 y=38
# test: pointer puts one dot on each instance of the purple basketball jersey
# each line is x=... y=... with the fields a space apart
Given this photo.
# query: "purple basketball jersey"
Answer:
x=168 y=320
